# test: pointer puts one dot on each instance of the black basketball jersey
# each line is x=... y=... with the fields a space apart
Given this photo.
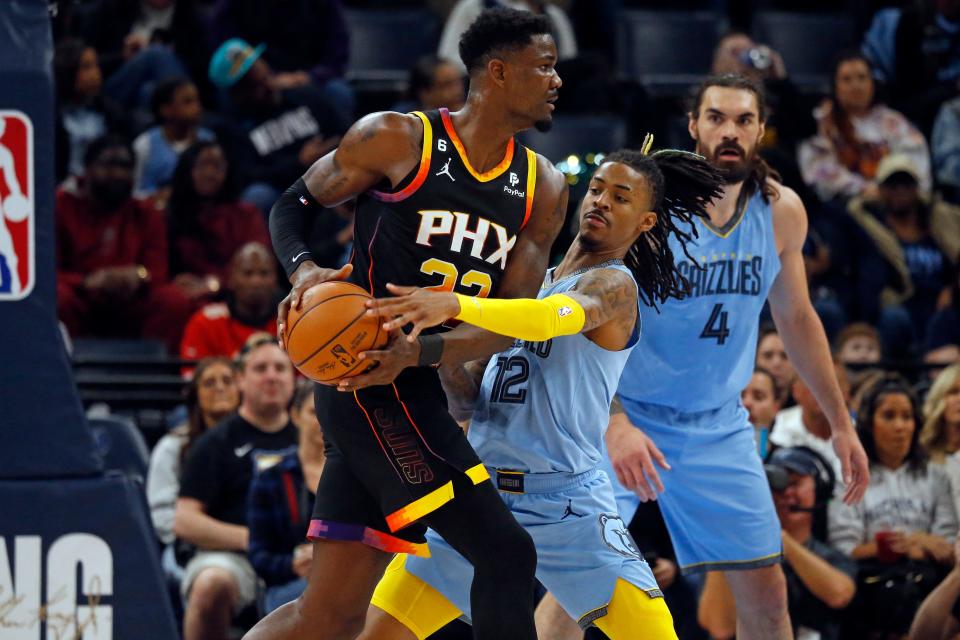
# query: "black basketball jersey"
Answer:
x=445 y=226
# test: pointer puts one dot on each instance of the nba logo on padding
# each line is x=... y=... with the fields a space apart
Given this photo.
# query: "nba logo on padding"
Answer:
x=17 y=208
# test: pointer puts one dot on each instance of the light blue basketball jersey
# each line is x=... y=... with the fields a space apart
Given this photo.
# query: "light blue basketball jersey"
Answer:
x=543 y=406
x=698 y=353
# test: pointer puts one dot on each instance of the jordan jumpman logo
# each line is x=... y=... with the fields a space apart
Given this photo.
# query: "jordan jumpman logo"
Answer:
x=570 y=512
x=446 y=170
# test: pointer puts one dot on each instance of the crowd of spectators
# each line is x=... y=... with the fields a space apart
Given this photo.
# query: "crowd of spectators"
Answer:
x=179 y=122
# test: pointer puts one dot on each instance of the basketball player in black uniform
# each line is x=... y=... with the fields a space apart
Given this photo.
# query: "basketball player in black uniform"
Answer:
x=451 y=201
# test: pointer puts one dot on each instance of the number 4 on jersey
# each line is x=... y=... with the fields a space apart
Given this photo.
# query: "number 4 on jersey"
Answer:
x=716 y=326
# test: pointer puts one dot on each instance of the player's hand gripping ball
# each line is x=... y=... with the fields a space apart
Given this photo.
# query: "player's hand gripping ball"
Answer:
x=331 y=328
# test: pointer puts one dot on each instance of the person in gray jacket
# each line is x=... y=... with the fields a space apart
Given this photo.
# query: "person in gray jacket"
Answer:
x=903 y=531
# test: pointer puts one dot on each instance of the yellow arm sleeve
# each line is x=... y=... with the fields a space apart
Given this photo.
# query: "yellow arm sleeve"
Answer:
x=524 y=318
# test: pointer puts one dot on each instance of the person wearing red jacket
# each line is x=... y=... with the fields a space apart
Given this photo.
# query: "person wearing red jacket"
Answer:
x=112 y=276
x=222 y=328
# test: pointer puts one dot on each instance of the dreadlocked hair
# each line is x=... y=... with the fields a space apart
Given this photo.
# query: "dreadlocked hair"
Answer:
x=682 y=184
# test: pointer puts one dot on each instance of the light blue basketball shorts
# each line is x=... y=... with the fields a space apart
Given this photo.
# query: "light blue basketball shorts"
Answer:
x=716 y=500
x=583 y=546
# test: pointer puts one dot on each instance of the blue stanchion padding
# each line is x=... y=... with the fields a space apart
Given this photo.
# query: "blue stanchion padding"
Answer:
x=41 y=421
x=79 y=560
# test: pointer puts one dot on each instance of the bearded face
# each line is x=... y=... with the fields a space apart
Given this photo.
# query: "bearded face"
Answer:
x=727 y=129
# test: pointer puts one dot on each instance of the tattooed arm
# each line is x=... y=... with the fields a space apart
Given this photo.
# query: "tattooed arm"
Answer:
x=602 y=306
x=609 y=301
x=379 y=146
x=462 y=385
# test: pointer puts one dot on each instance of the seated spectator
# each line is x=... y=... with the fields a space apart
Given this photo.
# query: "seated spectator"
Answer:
x=913 y=51
x=271 y=135
x=211 y=395
x=281 y=504
x=855 y=132
x=858 y=346
x=772 y=356
x=466 y=11
x=945 y=144
x=434 y=83
x=761 y=398
x=858 y=343
x=938 y=618
x=112 y=277
x=914 y=241
x=943 y=331
x=177 y=111
x=207 y=223
x=222 y=328
x=902 y=532
x=788 y=119
x=144 y=42
x=83 y=113
x=941 y=431
x=937 y=360
x=820 y=579
x=211 y=512
x=805 y=425
x=307 y=43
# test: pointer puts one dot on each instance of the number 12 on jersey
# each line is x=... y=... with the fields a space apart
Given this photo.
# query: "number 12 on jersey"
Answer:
x=511 y=374
x=716 y=326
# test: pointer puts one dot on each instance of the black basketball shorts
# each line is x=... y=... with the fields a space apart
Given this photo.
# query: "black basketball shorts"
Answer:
x=394 y=455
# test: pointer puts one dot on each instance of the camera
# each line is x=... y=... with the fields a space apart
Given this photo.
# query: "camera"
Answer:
x=759 y=58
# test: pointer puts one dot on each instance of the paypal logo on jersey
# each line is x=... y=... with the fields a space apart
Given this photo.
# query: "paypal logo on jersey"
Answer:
x=724 y=276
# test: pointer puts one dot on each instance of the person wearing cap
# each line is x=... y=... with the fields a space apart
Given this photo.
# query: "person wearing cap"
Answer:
x=911 y=240
x=820 y=579
x=271 y=134
x=307 y=42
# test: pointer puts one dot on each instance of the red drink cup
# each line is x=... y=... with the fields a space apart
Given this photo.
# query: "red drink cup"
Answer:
x=885 y=551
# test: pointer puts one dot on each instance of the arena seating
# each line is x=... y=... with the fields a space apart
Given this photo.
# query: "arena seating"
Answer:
x=667 y=51
x=807 y=41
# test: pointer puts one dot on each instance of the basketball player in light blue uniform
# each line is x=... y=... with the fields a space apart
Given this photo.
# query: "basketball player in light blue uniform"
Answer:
x=681 y=387
x=543 y=404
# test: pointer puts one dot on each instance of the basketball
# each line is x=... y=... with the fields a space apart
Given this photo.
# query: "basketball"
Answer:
x=330 y=330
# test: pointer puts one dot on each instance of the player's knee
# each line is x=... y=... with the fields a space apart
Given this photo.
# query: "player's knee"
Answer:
x=212 y=589
x=337 y=619
x=344 y=624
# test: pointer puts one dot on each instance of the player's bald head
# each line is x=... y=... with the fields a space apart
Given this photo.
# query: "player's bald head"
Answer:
x=252 y=252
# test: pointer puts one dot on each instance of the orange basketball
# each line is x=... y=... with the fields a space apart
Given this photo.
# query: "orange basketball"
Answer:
x=330 y=330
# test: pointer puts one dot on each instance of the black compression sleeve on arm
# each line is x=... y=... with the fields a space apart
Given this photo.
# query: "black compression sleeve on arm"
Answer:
x=288 y=217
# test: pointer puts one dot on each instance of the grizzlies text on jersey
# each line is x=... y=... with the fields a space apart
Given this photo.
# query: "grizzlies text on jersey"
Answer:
x=698 y=352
